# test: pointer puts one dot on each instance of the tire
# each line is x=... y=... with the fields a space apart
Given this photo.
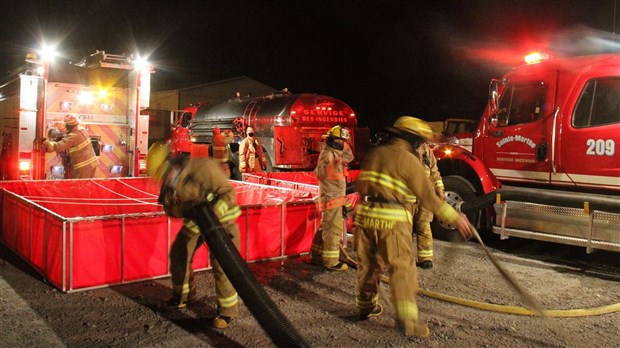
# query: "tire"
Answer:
x=457 y=190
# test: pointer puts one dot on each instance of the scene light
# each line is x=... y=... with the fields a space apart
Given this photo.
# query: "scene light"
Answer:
x=86 y=98
x=48 y=53
x=24 y=166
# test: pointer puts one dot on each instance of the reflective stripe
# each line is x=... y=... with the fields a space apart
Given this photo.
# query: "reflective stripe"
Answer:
x=367 y=304
x=228 y=215
x=80 y=146
x=406 y=310
x=391 y=214
x=439 y=184
x=231 y=214
x=191 y=226
x=85 y=163
x=425 y=253
x=336 y=202
x=228 y=302
x=330 y=254
x=389 y=182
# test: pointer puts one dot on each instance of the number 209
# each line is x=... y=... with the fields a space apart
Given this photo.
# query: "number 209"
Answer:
x=600 y=147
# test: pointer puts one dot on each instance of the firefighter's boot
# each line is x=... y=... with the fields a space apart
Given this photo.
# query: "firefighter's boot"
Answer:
x=340 y=266
x=426 y=264
x=221 y=322
x=373 y=312
x=411 y=328
x=177 y=300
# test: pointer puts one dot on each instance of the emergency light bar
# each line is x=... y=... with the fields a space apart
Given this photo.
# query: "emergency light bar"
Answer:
x=535 y=57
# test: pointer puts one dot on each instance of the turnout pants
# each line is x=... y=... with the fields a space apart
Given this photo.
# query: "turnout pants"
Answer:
x=394 y=247
x=423 y=234
x=326 y=243
x=182 y=252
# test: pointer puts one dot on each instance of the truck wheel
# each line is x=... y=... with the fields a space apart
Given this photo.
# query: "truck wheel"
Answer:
x=457 y=190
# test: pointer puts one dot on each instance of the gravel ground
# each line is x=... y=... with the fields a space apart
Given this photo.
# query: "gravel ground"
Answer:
x=320 y=305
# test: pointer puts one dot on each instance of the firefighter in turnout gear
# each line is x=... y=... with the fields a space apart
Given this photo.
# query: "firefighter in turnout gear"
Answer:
x=221 y=149
x=186 y=182
x=423 y=217
x=77 y=143
x=251 y=154
x=391 y=183
x=330 y=171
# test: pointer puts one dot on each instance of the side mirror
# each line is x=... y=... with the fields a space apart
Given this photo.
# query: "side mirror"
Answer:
x=493 y=101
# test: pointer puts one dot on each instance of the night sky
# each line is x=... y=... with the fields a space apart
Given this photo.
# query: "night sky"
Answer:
x=430 y=59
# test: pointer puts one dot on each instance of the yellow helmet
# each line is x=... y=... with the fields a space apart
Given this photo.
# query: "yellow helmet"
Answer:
x=415 y=126
x=337 y=132
x=157 y=160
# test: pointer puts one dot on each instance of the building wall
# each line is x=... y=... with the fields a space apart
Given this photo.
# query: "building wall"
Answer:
x=214 y=92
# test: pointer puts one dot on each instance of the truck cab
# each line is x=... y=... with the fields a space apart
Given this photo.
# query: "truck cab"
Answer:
x=180 y=140
x=552 y=128
x=554 y=123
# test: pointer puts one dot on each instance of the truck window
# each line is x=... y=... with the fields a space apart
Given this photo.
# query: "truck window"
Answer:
x=521 y=103
x=185 y=118
x=599 y=103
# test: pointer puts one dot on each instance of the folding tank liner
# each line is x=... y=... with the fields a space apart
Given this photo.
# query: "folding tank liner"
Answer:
x=84 y=234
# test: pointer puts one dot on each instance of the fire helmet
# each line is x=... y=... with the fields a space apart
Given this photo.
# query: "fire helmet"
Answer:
x=415 y=126
x=337 y=132
x=71 y=120
x=157 y=160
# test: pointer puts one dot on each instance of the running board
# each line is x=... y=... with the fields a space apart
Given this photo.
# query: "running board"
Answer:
x=572 y=226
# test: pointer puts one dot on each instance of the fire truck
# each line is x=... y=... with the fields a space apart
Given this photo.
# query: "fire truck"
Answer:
x=289 y=126
x=544 y=155
x=104 y=91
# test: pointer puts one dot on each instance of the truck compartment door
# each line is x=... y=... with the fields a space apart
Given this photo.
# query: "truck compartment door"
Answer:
x=289 y=146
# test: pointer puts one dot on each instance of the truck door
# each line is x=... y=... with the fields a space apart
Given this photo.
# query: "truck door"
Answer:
x=587 y=153
x=289 y=146
x=516 y=142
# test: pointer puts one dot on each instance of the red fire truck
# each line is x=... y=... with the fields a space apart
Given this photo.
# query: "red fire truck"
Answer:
x=104 y=91
x=289 y=126
x=548 y=138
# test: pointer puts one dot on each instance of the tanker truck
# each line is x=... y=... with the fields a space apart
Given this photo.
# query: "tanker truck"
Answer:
x=544 y=163
x=289 y=126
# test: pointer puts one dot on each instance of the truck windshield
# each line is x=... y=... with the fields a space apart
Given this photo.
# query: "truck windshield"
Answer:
x=521 y=103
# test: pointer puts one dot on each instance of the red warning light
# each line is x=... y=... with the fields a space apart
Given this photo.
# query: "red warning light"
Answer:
x=535 y=57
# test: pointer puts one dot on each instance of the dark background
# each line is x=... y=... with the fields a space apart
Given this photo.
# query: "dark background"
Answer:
x=430 y=59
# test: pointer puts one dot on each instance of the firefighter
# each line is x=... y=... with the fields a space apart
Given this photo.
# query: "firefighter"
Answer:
x=423 y=217
x=251 y=154
x=330 y=171
x=77 y=143
x=391 y=183
x=221 y=149
x=187 y=181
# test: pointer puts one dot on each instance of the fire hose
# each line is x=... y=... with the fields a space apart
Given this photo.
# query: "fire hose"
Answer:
x=536 y=310
x=254 y=296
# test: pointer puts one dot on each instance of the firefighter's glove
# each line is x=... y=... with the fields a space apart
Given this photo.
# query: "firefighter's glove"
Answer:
x=48 y=145
x=347 y=209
